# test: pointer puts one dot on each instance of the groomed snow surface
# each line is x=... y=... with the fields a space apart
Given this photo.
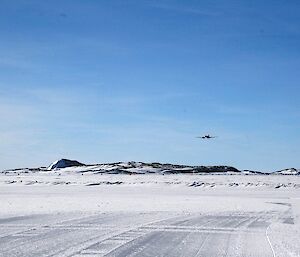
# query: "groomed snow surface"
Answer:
x=86 y=214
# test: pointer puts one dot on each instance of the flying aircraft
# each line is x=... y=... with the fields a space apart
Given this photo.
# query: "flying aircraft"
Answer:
x=206 y=137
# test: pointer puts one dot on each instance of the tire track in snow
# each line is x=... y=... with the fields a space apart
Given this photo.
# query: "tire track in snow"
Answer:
x=269 y=241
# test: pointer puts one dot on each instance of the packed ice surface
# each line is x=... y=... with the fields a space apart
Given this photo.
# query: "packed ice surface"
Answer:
x=74 y=214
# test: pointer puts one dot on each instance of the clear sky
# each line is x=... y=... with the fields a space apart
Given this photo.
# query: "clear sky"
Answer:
x=103 y=81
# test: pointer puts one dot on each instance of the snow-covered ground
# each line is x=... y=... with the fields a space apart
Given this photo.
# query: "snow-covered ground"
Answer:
x=75 y=214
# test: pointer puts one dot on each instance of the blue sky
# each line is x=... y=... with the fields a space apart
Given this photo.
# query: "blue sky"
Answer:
x=103 y=81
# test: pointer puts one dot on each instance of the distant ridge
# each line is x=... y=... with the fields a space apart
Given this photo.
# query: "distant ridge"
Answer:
x=132 y=167
x=290 y=171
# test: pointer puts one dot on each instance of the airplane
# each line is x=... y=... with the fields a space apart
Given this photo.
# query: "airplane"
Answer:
x=206 y=137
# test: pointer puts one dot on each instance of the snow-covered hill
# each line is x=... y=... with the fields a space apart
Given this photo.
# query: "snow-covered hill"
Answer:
x=73 y=166
x=290 y=171
x=64 y=163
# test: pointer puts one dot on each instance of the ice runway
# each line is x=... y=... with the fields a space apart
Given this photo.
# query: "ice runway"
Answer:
x=155 y=215
x=137 y=234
